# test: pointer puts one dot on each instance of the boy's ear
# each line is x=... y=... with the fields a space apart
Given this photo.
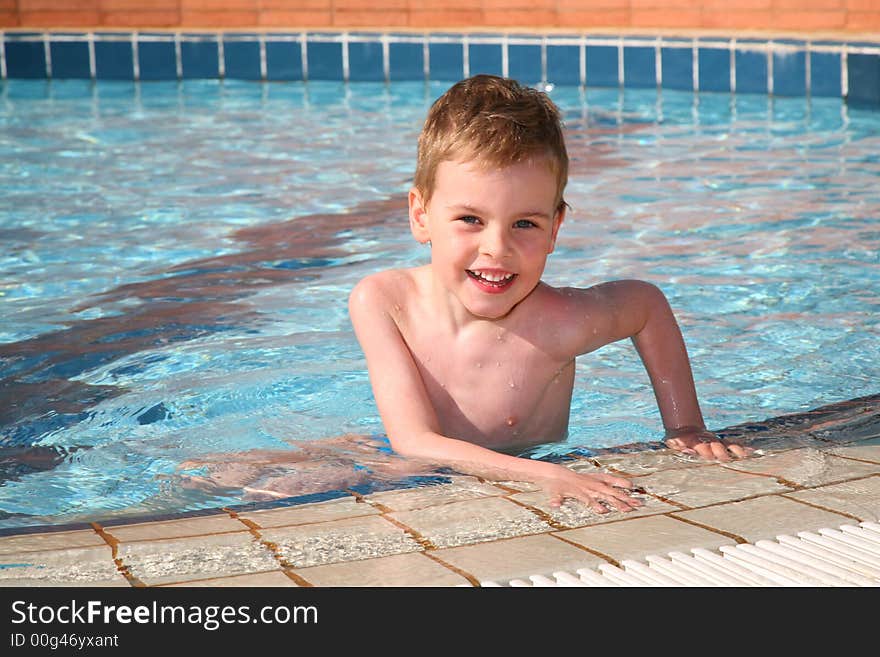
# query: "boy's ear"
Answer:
x=418 y=217
x=557 y=222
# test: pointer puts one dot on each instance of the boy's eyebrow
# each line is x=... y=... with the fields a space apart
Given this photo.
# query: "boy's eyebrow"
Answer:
x=464 y=207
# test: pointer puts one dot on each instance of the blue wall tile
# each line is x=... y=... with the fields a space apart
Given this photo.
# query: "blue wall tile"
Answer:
x=241 y=60
x=751 y=72
x=406 y=61
x=602 y=66
x=677 y=68
x=863 y=77
x=114 y=60
x=446 y=61
x=639 y=67
x=284 y=60
x=564 y=64
x=70 y=59
x=825 y=74
x=201 y=59
x=365 y=61
x=157 y=60
x=524 y=63
x=325 y=60
x=789 y=73
x=25 y=59
x=485 y=58
x=714 y=64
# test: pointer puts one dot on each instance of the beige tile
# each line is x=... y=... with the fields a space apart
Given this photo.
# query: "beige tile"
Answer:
x=50 y=541
x=348 y=539
x=807 y=467
x=200 y=557
x=270 y=578
x=197 y=526
x=573 y=513
x=636 y=464
x=708 y=484
x=639 y=537
x=501 y=561
x=90 y=566
x=763 y=517
x=461 y=488
x=471 y=521
x=866 y=451
x=412 y=569
x=860 y=498
x=345 y=507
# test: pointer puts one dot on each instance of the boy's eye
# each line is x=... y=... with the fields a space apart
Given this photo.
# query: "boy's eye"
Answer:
x=469 y=219
x=524 y=223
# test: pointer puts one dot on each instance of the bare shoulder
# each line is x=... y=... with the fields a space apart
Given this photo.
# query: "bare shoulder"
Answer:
x=382 y=290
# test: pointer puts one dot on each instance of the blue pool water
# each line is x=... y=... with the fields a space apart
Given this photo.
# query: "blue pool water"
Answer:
x=176 y=259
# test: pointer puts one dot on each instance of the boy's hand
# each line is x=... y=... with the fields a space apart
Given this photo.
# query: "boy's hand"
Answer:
x=706 y=444
x=601 y=492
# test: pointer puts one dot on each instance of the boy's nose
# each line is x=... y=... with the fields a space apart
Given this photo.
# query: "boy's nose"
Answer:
x=495 y=244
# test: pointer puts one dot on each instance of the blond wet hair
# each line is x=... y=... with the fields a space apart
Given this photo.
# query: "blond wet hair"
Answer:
x=495 y=122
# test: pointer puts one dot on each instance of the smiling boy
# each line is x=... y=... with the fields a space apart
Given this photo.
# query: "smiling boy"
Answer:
x=472 y=357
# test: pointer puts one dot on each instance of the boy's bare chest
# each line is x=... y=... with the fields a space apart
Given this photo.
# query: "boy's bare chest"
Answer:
x=495 y=387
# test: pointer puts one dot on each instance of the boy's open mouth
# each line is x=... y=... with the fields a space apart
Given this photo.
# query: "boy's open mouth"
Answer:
x=491 y=279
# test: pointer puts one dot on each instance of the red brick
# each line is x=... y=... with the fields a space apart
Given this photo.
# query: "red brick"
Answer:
x=296 y=19
x=448 y=5
x=809 y=21
x=48 y=18
x=219 y=5
x=360 y=18
x=688 y=18
x=370 y=5
x=597 y=18
x=736 y=6
x=808 y=5
x=446 y=18
x=863 y=21
x=588 y=6
x=537 y=5
x=138 y=5
x=863 y=5
x=8 y=19
x=671 y=5
x=59 y=6
x=520 y=18
x=738 y=20
x=219 y=18
x=167 y=18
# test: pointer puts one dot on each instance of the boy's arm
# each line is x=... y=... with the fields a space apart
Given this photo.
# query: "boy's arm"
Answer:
x=414 y=430
x=640 y=311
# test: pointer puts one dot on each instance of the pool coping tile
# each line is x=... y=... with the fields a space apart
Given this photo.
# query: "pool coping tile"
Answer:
x=471 y=521
x=84 y=566
x=167 y=529
x=573 y=513
x=635 y=538
x=406 y=569
x=337 y=509
x=268 y=578
x=846 y=497
x=518 y=557
x=806 y=467
x=349 y=539
x=762 y=518
x=196 y=557
x=409 y=499
x=43 y=542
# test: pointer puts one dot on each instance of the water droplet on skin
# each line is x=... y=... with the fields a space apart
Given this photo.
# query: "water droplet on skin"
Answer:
x=511 y=421
x=595 y=331
x=512 y=384
x=498 y=364
x=479 y=364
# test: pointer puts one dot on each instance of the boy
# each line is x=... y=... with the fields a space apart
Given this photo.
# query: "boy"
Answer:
x=473 y=355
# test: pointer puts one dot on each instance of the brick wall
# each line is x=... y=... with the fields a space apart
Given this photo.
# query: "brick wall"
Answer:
x=852 y=16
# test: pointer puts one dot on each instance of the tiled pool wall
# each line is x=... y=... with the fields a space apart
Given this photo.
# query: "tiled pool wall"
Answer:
x=783 y=67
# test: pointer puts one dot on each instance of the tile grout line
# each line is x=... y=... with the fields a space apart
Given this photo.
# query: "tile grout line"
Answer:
x=588 y=550
x=286 y=567
x=384 y=512
x=730 y=535
x=458 y=571
x=113 y=542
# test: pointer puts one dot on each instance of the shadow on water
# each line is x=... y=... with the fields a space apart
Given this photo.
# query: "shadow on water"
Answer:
x=182 y=303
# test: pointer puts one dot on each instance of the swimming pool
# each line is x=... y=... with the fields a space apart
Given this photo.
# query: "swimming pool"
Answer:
x=177 y=258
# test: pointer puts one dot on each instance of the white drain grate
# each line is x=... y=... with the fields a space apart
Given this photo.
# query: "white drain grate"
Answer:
x=849 y=556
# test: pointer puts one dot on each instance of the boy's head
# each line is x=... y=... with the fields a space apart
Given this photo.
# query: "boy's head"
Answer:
x=494 y=122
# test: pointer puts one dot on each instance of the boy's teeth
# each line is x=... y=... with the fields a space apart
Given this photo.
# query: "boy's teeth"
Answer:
x=494 y=278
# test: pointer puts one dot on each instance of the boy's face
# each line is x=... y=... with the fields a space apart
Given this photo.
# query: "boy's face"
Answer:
x=490 y=231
